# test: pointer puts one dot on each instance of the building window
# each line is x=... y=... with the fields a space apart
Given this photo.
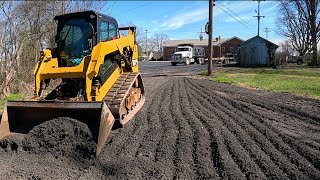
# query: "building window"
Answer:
x=223 y=48
x=231 y=49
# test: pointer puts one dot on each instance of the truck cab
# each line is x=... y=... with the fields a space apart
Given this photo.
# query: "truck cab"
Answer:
x=183 y=55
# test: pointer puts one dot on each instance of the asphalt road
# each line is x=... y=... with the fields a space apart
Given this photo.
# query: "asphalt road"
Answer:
x=164 y=68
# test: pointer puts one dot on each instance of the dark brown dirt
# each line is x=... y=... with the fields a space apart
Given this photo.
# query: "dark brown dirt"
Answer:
x=61 y=137
x=187 y=129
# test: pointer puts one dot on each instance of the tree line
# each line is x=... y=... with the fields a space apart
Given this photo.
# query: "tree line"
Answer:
x=27 y=27
x=153 y=43
x=299 y=21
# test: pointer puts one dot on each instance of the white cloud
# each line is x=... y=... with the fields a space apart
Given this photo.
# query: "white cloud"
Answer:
x=277 y=40
x=184 y=18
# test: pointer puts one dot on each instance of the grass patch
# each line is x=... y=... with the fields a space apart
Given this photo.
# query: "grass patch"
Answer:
x=295 y=80
x=203 y=73
x=11 y=97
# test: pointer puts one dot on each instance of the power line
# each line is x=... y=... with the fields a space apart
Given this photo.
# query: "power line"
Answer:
x=233 y=17
x=138 y=6
x=234 y=13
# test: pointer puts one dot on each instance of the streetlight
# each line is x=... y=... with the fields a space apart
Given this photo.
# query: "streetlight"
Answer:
x=147 y=44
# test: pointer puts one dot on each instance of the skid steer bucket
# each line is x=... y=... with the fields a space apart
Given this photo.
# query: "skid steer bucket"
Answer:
x=22 y=116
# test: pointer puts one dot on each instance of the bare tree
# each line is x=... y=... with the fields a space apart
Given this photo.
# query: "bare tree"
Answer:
x=139 y=32
x=299 y=21
x=157 y=42
x=286 y=48
x=284 y=52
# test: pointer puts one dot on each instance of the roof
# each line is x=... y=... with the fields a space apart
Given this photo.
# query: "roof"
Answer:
x=85 y=14
x=195 y=42
x=259 y=38
x=234 y=37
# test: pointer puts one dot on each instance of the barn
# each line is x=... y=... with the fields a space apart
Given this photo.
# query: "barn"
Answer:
x=256 y=51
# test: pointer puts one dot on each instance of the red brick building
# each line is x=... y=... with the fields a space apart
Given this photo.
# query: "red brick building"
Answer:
x=229 y=45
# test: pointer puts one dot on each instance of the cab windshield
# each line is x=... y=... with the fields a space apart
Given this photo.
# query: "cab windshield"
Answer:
x=74 y=40
x=183 y=49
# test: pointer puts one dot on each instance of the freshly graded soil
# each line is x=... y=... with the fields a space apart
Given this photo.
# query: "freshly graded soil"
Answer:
x=61 y=137
x=187 y=129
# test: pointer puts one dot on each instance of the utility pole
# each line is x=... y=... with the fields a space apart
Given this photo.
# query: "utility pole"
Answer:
x=220 y=53
x=147 y=44
x=267 y=31
x=211 y=4
x=258 y=16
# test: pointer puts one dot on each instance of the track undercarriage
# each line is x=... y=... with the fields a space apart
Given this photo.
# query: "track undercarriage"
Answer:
x=126 y=97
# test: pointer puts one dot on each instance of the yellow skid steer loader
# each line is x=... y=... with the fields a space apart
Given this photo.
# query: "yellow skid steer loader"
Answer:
x=100 y=81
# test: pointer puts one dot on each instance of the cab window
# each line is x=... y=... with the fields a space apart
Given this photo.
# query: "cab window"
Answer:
x=112 y=31
x=107 y=31
x=104 y=31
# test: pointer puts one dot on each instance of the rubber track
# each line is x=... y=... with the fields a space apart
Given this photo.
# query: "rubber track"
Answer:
x=117 y=92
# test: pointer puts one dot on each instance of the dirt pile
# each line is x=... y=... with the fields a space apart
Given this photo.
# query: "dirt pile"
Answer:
x=61 y=137
x=11 y=143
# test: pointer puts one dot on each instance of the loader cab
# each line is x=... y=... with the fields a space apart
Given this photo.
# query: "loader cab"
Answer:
x=78 y=33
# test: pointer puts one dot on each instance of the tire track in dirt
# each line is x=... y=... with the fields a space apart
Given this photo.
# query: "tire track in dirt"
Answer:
x=275 y=102
x=311 y=156
x=165 y=151
x=228 y=110
x=293 y=126
x=184 y=160
x=141 y=123
x=301 y=163
x=154 y=131
x=300 y=135
x=202 y=141
x=297 y=143
x=133 y=130
x=234 y=142
x=222 y=159
x=141 y=120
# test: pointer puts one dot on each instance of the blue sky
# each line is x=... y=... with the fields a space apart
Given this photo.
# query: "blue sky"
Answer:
x=183 y=19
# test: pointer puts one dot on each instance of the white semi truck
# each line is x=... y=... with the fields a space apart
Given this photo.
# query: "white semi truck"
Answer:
x=188 y=54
